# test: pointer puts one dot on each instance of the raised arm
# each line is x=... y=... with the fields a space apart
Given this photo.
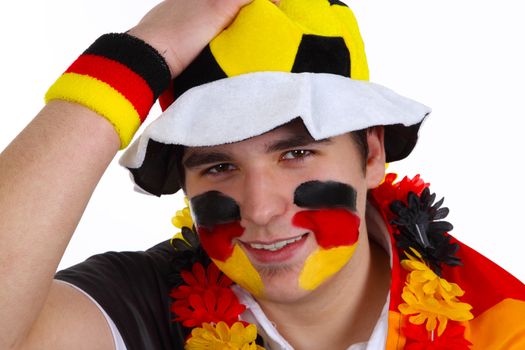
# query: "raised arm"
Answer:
x=51 y=169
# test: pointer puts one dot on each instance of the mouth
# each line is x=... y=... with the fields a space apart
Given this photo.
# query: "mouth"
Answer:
x=277 y=245
x=277 y=251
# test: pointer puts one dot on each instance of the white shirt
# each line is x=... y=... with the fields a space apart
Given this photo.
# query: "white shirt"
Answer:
x=274 y=341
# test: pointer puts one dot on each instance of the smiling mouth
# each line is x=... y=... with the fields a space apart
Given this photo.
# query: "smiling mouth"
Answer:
x=276 y=245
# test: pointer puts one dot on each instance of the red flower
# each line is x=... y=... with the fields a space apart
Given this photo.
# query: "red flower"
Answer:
x=206 y=298
x=198 y=281
x=418 y=338
x=209 y=307
x=389 y=191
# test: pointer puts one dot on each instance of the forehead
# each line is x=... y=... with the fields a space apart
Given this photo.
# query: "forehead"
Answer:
x=294 y=132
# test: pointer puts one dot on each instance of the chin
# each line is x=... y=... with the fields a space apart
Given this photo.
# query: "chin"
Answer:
x=281 y=283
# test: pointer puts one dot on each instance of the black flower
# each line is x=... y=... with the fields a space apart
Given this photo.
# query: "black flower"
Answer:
x=188 y=251
x=419 y=226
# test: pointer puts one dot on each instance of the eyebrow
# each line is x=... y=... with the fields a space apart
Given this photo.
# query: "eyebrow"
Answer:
x=199 y=158
x=202 y=157
x=293 y=142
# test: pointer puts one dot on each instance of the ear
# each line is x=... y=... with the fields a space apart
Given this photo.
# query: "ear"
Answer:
x=375 y=162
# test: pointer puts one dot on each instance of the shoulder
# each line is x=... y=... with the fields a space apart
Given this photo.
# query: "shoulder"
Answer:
x=122 y=268
x=133 y=289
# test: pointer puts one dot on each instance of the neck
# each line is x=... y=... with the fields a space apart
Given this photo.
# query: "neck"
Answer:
x=351 y=300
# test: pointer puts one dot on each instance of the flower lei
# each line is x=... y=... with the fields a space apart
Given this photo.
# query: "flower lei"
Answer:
x=204 y=301
x=430 y=301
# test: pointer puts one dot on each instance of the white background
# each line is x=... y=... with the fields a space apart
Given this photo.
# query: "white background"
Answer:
x=465 y=59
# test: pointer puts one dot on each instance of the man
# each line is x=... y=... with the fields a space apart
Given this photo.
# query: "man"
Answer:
x=420 y=70
x=266 y=188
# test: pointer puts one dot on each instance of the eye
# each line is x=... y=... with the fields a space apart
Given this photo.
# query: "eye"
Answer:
x=296 y=154
x=219 y=168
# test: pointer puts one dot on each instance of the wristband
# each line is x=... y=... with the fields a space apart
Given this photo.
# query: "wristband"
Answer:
x=120 y=77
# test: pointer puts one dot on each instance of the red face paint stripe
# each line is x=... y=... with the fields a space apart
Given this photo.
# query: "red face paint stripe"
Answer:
x=332 y=227
x=121 y=78
x=217 y=242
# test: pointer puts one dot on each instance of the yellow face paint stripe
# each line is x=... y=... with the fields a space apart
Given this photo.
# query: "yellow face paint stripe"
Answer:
x=239 y=269
x=101 y=98
x=322 y=264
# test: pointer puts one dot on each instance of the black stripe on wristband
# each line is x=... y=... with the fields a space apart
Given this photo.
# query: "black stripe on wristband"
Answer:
x=137 y=55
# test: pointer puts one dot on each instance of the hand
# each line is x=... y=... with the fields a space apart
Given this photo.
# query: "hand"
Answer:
x=180 y=29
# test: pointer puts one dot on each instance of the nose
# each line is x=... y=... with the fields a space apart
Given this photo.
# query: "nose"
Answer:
x=264 y=198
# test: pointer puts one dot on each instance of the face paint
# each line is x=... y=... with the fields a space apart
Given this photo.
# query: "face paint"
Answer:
x=217 y=220
x=330 y=216
x=217 y=241
x=334 y=224
x=332 y=219
x=239 y=269
x=213 y=208
x=322 y=264
x=328 y=194
x=332 y=227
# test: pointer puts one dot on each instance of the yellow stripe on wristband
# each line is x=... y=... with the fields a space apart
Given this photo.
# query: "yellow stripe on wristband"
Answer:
x=99 y=97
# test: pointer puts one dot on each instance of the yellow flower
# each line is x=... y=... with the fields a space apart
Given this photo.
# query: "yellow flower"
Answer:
x=431 y=298
x=182 y=217
x=222 y=337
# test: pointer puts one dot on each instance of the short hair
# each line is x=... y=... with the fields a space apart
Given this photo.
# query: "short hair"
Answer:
x=360 y=140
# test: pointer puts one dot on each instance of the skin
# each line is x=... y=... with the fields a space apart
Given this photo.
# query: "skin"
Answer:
x=262 y=182
x=38 y=176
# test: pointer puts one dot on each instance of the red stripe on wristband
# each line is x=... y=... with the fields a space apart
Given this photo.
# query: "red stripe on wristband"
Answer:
x=131 y=85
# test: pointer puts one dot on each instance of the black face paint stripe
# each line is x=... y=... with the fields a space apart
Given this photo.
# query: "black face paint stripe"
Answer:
x=214 y=208
x=328 y=194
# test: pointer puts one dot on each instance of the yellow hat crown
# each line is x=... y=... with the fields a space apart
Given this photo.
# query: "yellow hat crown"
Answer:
x=318 y=36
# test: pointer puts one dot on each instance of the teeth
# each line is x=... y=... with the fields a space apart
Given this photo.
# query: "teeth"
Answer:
x=275 y=246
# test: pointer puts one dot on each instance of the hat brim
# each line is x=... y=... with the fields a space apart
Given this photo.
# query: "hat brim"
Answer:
x=234 y=109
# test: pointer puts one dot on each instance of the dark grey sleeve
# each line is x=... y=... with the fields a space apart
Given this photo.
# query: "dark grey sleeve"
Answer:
x=133 y=289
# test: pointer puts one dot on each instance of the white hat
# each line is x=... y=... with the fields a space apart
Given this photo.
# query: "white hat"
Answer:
x=303 y=59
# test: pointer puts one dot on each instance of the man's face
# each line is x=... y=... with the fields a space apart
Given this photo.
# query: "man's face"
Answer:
x=262 y=215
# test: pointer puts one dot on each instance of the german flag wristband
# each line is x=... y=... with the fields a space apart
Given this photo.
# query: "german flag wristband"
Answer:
x=120 y=77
